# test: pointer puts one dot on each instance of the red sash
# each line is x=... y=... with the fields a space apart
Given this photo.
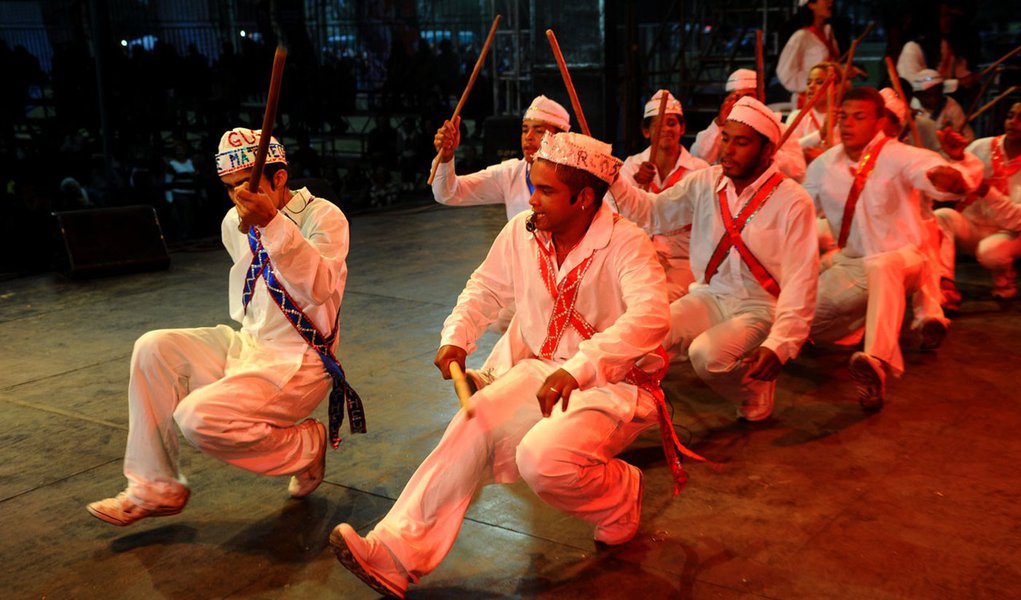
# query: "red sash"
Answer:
x=670 y=181
x=865 y=167
x=564 y=297
x=732 y=235
x=1003 y=169
x=829 y=42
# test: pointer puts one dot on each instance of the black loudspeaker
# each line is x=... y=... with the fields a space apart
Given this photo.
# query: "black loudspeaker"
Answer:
x=104 y=241
x=501 y=139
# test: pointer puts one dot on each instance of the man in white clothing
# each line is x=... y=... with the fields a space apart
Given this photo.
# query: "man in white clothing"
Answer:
x=507 y=183
x=673 y=162
x=977 y=228
x=864 y=187
x=755 y=258
x=932 y=101
x=592 y=305
x=788 y=158
x=238 y=395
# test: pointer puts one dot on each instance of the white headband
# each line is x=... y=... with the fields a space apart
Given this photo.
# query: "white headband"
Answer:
x=673 y=105
x=929 y=78
x=742 y=79
x=581 y=152
x=238 y=148
x=549 y=112
x=756 y=115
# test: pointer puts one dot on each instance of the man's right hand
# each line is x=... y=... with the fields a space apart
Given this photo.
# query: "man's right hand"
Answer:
x=645 y=173
x=448 y=138
x=446 y=355
x=728 y=104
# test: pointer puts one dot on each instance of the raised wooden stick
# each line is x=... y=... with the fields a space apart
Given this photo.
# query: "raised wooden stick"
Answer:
x=468 y=88
x=831 y=112
x=270 y=117
x=656 y=133
x=990 y=104
x=567 y=82
x=830 y=78
x=891 y=70
x=981 y=93
x=760 y=69
x=858 y=40
x=461 y=388
x=999 y=61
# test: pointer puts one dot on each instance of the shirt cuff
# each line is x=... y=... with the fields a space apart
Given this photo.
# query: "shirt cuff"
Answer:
x=278 y=232
x=582 y=370
x=783 y=350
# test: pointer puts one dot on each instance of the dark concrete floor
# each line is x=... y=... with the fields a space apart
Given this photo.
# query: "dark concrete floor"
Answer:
x=922 y=500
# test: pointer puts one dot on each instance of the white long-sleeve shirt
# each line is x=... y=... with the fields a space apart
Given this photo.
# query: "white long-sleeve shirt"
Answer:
x=307 y=242
x=802 y=51
x=781 y=235
x=503 y=183
x=887 y=216
x=985 y=213
x=789 y=158
x=622 y=295
x=685 y=159
x=808 y=132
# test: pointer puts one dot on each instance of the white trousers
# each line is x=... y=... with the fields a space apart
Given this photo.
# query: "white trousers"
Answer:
x=242 y=419
x=678 y=276
x=567 y=460
x=994 y=248
x=715 y=333
x=868 y=293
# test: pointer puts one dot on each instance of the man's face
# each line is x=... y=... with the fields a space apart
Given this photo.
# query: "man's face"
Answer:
x=670 y=135
x=551 y=200
x=531 y=135
x=742 y=150
x=931 y=97
x=1012 y=126
x=237 y=178
x=859 y=123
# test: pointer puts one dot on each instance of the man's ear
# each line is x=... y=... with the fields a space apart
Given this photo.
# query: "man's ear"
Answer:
x=280 y=179
x=586 y=197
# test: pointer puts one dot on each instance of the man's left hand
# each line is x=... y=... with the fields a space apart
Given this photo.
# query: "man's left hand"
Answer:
x=558 y=386
x=953 y=143
x=254 y=208
x=947 y=179
x=763 y=364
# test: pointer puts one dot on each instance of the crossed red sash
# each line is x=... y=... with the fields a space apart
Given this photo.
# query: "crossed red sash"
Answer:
x=564 y=313
x=866 y=165
x=1003 y=169
x=732 y=235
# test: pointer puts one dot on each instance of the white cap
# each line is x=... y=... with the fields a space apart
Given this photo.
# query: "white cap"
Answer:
x=549 y=112
x=673 y=105
x=929 y=78
x=238 y=148
x=742 y=79
x=581 y=152
x=802 y=3
x=756 y=115
x=894 y=103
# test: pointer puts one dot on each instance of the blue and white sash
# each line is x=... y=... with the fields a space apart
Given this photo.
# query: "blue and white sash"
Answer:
x=342 y=394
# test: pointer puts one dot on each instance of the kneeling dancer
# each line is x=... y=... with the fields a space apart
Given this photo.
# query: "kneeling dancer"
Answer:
x=591 y=307
x=237 y=395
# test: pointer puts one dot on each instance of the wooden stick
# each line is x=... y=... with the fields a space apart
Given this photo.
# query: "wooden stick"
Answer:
x=845 y=75
x=831 y=111
x=807 y=108
x=468 y=88
x=760 y=69
x=891 y=70
x=567 y=82
x=657 y=132
x=859 y=39
x=1003 y=58
x=990 y=104
x=270 y=117
x=981 y=93
x=461 y=388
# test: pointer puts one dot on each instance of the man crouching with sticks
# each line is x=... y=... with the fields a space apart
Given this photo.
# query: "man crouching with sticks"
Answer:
x=591 y=306
x=238 y=395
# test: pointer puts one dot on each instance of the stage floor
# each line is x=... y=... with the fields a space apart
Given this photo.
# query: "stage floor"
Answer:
x=922 y=500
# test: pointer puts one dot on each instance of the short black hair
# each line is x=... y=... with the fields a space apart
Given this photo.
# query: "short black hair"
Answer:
x=868 y=94
x=271 y=169
x=578 y=179
x=647 y=121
